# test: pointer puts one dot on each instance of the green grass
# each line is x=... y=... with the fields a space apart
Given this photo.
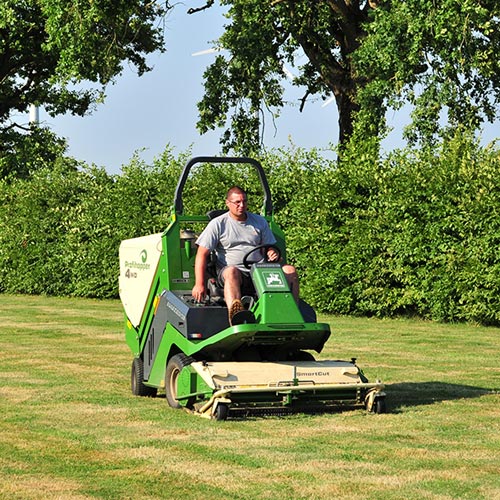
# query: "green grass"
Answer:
x=70 y=427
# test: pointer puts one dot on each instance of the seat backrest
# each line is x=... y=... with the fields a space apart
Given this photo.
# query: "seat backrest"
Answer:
x=215 y=213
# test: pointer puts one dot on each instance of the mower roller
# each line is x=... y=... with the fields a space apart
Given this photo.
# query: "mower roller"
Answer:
x=189 y=349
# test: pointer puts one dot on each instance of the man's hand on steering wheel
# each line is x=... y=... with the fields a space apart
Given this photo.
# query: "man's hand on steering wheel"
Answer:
x=271 y=254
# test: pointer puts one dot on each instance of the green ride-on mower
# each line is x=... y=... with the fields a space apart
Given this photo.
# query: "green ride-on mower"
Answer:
x=262 y=362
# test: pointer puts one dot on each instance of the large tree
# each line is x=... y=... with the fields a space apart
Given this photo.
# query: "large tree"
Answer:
x=441 y=57
x=371 y=55
x=61 y=54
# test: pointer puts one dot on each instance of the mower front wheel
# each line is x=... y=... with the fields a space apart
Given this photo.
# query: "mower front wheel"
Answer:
x=221 y=412
x=137 y=380
x=379 y=405
x=302 y=356
x=174 y=368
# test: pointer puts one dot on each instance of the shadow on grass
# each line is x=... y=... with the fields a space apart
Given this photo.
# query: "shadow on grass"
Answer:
x=409 y=394
x=399 y=396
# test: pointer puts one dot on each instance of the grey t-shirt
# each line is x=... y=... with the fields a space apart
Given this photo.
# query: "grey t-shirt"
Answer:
x=232 y=239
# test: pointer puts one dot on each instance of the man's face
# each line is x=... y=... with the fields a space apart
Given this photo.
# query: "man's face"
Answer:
x=237 y=205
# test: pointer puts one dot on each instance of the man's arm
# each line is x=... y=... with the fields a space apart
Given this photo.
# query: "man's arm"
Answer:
x=200 y=266
x=268 y=238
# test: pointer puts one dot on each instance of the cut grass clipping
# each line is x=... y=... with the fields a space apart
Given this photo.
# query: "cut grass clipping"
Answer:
x=70 y=427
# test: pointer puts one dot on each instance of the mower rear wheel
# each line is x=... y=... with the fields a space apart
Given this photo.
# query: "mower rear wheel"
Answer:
x=174 y=368
x=137 y=380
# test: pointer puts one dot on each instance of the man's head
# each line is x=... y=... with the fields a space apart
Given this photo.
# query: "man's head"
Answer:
x=236 y=201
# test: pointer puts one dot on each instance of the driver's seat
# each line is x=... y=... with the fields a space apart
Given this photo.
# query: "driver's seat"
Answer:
x=215 y=292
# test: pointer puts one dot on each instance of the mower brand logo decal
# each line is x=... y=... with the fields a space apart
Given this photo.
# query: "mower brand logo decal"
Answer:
x=137 y=265
x=273 y=279
x=313 y=374
x=141 y=266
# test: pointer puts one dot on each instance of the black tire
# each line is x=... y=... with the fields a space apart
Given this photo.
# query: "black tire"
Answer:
x=302 y=356
x=174 y=367
x=379 y=406
x=137 y=380
x=222 y=411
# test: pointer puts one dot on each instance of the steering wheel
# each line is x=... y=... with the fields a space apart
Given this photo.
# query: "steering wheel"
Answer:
x=248 y=263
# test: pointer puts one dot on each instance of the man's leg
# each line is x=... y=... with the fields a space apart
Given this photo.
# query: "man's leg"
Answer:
x=232 y=290
x=232 y=284
x=292 y=280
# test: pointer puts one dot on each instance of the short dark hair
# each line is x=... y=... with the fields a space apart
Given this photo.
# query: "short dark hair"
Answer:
x=235 y=190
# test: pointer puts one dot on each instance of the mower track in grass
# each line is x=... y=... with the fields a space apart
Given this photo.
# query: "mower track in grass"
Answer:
x=71 y=429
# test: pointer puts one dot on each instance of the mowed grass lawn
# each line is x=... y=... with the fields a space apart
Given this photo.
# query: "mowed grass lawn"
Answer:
x=70 y=427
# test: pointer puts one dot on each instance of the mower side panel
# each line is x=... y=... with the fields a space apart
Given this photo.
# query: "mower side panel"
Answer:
x=192 y=322
x=139 y=259
x=170 y=343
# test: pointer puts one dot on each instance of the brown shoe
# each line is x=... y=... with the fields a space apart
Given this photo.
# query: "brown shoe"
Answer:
x=236 y=307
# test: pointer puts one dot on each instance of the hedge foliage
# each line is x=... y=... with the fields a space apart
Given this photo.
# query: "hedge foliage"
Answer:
x=416 y=232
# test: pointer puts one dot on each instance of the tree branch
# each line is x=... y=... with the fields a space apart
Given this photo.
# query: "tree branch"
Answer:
x=193 y=10
x=303 y=100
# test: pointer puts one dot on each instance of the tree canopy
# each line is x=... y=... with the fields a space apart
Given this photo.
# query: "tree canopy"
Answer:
x=441 y=57
x=48 y=46
x=60 y=54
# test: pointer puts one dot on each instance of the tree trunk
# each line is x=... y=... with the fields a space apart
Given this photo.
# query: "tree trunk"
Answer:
x=346 y=108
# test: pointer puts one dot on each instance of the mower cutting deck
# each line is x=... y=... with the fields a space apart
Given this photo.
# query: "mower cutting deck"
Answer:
x=207 y=366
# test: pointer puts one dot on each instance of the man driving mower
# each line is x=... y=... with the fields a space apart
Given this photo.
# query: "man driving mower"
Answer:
x=233 y=235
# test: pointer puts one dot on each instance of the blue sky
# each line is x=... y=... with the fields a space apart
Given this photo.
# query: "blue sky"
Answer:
x=147 y=113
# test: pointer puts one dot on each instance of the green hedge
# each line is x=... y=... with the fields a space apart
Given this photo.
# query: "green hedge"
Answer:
x=414 y=233
x=417 y=233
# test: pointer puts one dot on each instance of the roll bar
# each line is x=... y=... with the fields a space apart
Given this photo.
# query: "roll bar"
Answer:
x=178 y=205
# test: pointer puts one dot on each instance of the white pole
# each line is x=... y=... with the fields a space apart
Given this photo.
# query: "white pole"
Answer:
x=34 y=115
